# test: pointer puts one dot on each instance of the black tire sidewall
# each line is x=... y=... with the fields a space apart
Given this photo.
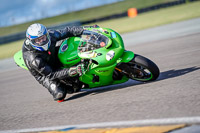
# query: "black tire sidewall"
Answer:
x=148 y=64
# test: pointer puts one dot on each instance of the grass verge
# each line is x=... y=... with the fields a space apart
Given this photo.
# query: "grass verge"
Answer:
x=154 y=18
x=122 y=25
x=83 y=15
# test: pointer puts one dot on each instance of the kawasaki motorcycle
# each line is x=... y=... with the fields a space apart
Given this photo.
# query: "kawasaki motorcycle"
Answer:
x=105 y=59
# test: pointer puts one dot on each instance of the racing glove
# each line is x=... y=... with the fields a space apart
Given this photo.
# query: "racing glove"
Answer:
x=77 y=70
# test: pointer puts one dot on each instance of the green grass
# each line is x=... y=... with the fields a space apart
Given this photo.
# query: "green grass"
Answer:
x=8 y=50
x=122 y=25
x=83 y=15
x=154 y=18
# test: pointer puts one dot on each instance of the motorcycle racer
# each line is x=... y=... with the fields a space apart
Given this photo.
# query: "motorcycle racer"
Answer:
x=40 y=51
x=51 y=59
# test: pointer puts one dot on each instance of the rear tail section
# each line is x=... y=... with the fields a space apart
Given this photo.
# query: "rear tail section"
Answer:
x=18 y=57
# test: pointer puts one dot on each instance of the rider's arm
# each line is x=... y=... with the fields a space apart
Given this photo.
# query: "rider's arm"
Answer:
x=45 y=70
x=68 y=31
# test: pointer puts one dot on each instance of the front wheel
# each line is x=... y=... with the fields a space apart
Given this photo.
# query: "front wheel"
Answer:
x=141 y=69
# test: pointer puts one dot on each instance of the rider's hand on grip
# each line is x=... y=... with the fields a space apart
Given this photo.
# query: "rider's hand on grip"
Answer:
x=80 y=69
x=77 y=70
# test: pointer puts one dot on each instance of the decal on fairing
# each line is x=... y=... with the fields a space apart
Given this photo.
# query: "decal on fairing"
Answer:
x=110 y=55
x=64 y=48
x=102 y=71
x=113 y=34
x=72 y=59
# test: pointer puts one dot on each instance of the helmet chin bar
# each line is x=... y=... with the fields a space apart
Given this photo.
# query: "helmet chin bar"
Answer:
x=44 y=47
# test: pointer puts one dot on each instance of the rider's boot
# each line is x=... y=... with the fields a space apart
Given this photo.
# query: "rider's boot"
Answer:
x=57 y=91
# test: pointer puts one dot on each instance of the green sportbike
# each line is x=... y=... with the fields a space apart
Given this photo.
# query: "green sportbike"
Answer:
x=106 y=61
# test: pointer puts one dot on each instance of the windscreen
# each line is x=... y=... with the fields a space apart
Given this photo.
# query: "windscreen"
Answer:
x=92 y=40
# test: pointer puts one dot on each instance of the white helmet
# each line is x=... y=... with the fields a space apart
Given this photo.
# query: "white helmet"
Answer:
x=38 y=37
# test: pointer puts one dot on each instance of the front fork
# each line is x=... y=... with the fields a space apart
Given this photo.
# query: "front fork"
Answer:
x=125 y=58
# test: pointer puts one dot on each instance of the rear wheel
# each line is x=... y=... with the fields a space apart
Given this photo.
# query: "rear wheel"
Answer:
x=142 y=69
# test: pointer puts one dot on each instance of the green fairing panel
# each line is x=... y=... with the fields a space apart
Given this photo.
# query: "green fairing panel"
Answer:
x=106 y=57
x=126 y=57
x=67 y=54
x=115 y=45
x=105 y=77
x=104 y=73
x=18 y=57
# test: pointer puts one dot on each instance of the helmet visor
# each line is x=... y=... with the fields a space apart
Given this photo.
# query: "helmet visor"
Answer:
x=40 y=41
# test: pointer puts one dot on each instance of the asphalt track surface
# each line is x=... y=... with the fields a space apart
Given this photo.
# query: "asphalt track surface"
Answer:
x=26 y=104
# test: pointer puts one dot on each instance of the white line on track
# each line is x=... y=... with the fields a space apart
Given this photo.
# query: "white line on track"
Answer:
x=167 y=121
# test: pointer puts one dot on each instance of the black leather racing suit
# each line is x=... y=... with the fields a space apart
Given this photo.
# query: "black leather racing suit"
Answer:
x=45 y=65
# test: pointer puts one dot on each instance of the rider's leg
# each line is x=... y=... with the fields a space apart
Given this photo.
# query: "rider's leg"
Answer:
x=57 y=89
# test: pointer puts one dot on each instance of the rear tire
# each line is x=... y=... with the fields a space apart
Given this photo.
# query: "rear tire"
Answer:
x=142 y=69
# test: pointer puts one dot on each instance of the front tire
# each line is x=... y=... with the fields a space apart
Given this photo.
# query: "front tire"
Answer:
x=142 y=69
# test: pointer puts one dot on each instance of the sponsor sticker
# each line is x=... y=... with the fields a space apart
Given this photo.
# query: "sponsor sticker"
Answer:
x=113 y=35
x=64 y=48
x=110 y=55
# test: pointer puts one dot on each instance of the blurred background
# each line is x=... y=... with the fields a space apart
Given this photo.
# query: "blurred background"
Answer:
x=165 y=31
x=21 y=11
x=17 y=15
